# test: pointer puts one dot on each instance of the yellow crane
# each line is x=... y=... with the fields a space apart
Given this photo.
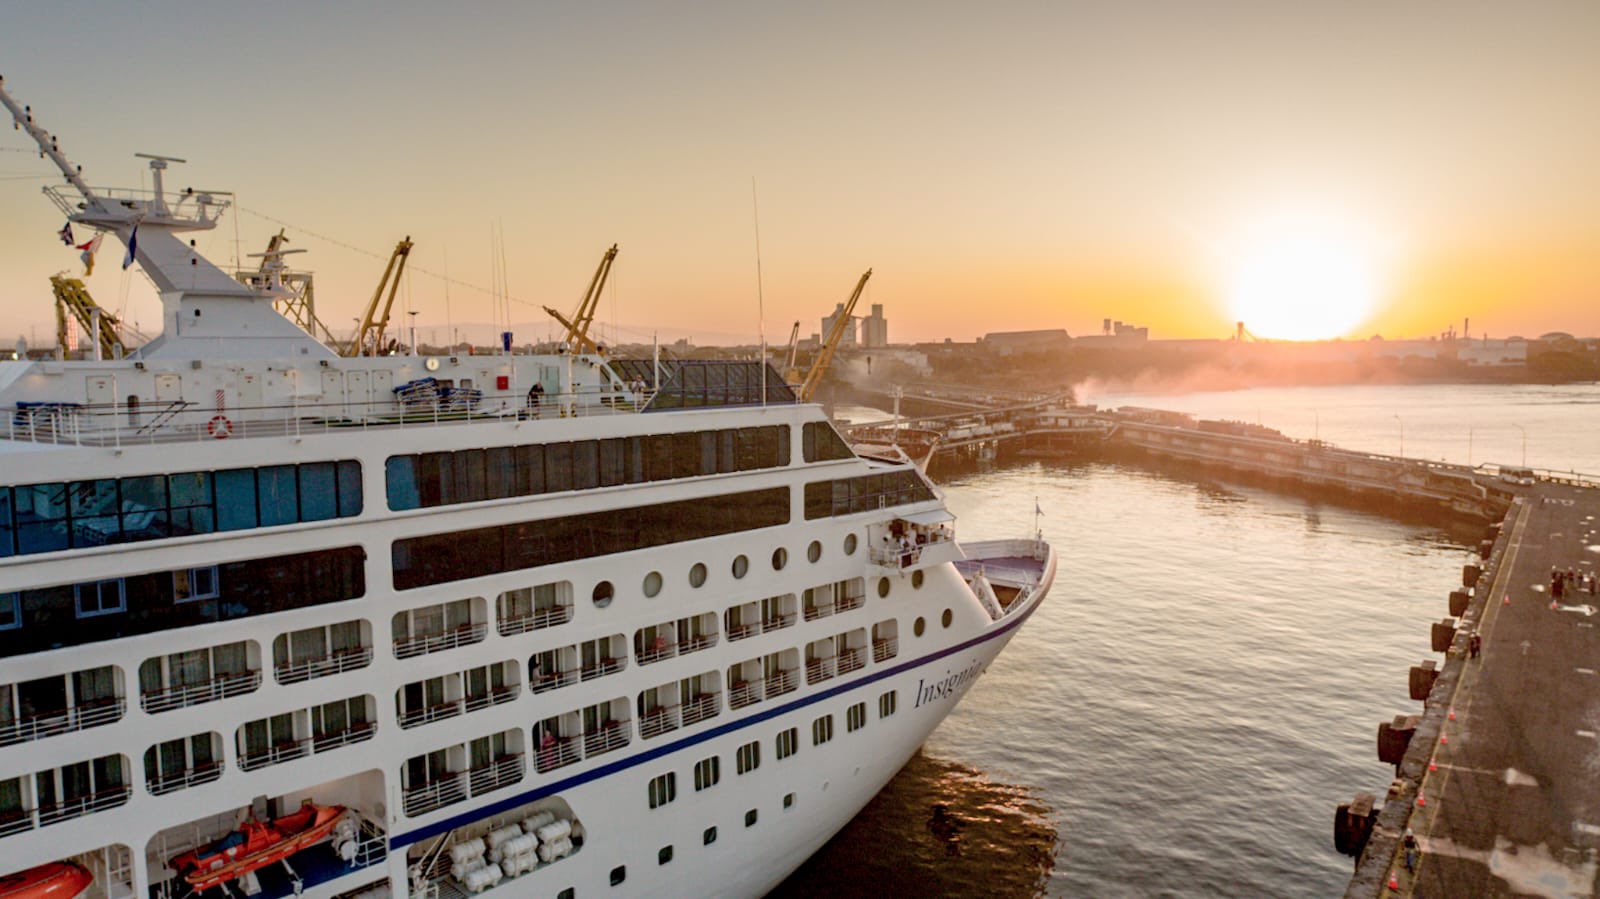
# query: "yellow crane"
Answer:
x=369 y=336
x=72 y=298
x=819 y=366
x=578 y=326
x=791 y=375
x=296 y=292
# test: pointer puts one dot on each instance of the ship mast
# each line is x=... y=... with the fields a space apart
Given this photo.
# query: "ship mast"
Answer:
x=22 y=116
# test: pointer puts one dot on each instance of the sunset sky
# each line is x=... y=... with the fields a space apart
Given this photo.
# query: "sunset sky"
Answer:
x=1320 y=169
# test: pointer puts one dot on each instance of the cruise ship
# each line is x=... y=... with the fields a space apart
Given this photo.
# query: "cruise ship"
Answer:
x=275 y=620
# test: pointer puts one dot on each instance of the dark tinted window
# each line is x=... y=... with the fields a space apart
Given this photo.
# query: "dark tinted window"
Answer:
x=863 y=494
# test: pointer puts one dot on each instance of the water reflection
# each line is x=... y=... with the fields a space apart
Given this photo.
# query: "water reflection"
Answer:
x=938 y=829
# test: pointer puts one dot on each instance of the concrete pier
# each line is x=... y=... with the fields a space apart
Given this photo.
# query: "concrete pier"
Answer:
x=1500 y=781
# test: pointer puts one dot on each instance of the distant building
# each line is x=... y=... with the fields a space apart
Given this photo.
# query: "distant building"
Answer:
x=1489 y=353
x=1007 y=342
x=875 y=328
x=849 y=338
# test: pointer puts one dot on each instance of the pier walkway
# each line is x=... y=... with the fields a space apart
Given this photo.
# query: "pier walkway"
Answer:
x=1501 y=782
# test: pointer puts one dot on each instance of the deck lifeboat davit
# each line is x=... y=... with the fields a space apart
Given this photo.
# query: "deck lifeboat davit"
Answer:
x=255 y=845
x=56 y=880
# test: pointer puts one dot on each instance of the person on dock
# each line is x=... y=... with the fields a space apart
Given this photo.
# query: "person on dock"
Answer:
x=1475 y=644
x=1413 y=850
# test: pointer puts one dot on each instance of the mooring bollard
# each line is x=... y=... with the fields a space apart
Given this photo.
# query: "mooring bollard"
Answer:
x=1469 y=575
x=1458 y=603
x=1444 y=633
x=1352 y=824
x=1394 y=736
x=1422 y=678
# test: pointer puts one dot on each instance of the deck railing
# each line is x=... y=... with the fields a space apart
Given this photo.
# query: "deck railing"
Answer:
x=422 y=644
x=661 y=649
x=700 y=708
x=852 y=660
x=819 y=670
x=111 y=797
x=543 y=683
x=160 y=784
x=740 y=631
x=852 y=601
x=276 y=754
x=603 y=668
x=656 y=722
x=613 y=735
x=424 y=798
x=355 y=733
x=431 y=713
x=537 y=620
x=697 y=643
x=777 y=622
x=885 y=649
x=507 y=769
x=181 y=695
x=333 y=663
x=814 y=611
x=560 y=753
x=780 y=683
x=494 y=697
x=744 y=693
x=48 y=724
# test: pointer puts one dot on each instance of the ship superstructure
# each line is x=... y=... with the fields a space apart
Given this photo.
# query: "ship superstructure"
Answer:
x=276 y=621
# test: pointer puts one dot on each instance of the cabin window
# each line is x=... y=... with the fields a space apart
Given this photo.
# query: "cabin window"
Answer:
x=822 y=730
x=663 y=789
x=748 y=757
x=788 y=743
x=887 y=702
x=707 y=772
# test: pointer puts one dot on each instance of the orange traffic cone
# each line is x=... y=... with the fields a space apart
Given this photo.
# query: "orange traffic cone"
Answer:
x=1452 y=714
x=1444 y=739
x=1394 y=882
x=1506 y=601
x=1433 y=765
x=1422 y=801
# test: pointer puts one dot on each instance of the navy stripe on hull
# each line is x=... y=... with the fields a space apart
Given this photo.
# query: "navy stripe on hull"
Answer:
x=622 y=764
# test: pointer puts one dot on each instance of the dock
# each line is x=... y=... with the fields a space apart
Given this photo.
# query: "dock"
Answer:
x=1500 y=775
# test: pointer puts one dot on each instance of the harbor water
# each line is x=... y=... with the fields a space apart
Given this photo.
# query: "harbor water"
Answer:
x=1203 y=684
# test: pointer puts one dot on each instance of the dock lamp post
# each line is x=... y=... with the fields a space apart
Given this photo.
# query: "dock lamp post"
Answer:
x=1402 y=434
x=1524 y=443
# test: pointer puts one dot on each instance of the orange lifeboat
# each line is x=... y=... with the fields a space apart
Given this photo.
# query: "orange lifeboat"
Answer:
x=255 y=845
x=56 y=880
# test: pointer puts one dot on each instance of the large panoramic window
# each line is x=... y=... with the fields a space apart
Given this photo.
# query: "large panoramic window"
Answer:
x=89 y=612
x=456 y=555
x=846 y=496
x=819 y=442
x=39 y=518
x=467 y=476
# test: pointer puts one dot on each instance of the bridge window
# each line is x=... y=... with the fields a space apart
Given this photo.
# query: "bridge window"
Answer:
x=100 y=598
x=37 y=518
x=819 y=442
x=846 y=496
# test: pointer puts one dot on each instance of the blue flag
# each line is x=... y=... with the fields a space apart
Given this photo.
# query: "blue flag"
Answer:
x=66 y=234
x=133 y=244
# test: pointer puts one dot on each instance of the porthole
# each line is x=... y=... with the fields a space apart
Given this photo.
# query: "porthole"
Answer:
x=780 y=558
x=652 y=583
x=788 y=800
x=741 y=566
x=916 y=579
x=946 y=618
x=709 y=837
x=814 y=551
x=918 y=626
x=619 y=874
x=664 y=855
x=697 y=574
x=603 y=592
x=883 y=588
x=849 y=544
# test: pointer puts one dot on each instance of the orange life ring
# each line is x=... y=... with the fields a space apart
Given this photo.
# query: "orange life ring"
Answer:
x=219 y=427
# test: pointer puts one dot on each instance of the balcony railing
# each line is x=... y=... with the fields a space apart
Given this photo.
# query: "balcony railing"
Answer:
x=777 y=622
x=543 y=683
x=852 y=660
x=179 y=696
x=885 y=649
x=780 y=683
x=160 y=784
x=740 y=631
x=422 y=644
x=853 y=601
x=48 y=724
x=661 y=649
x=503 y=771
x=656 y=722
x=697 y=643
x=700 y=708
x=818 y=610
x=431 y=713
x=603 y=668
x=535 y=620
x=111 y=797
x=355 y=733
x=614 y=735
x=744 y=693
x=558 y=753
x=277 y=754
x=334 y=663
x=424 y=798
x=819 y=670
x=494 y=697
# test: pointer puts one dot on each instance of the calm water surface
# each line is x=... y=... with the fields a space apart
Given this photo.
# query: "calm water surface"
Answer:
x=1201 y=687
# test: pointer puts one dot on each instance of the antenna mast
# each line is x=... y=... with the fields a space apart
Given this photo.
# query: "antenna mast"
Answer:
x=22 y=116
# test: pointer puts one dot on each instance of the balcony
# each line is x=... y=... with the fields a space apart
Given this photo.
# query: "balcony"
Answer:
x=276 y=754
x=48 y=724
x=884 y=650
x=697 y=643
x=558 y=752
x=544 y=683
x=161 y=784
x=602 y=668
x=432 y=713
x=422 y=644
x=494 y=697
x=780 y=683
x=658 y=721
x=819 y=670
x=662 y=649
x=355 y=733
x=180 y=696
x=537 y=620
x=744 y=693
x=740 y=631
x=777 y=622
x=852 y=660
x=611 y=735
x=334 y=663
x=699 y=709
x=503 y=771
x=110 y=797
x=819 y=610
x=852 y=602
x=420 y=800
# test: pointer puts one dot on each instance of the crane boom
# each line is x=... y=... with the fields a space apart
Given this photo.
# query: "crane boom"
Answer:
x=791 y=374
x=578 y=324
x=72 y=297
x=819 y=366
x=373 y=324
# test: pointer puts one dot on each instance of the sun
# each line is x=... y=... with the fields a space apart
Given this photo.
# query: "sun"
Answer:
x=1302 y=280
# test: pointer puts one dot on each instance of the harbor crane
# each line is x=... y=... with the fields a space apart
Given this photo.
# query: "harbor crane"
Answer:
x=819 y=366
x=791 y=374
x=72 y=298
x=578 y=340
x=293 y=291
x=368 y=339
